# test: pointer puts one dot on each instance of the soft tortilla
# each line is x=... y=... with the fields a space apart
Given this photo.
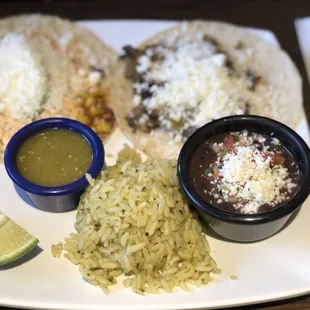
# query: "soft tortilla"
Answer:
x=265 y=60
x=66 y=48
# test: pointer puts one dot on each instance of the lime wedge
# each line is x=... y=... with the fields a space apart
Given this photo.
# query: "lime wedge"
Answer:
x=15 y=241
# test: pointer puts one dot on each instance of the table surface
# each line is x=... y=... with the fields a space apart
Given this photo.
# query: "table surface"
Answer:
x=278 y=16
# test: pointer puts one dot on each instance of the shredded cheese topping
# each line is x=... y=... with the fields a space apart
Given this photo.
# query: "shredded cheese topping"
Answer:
x=246 y=175
x=23 y=78
x=190 y=84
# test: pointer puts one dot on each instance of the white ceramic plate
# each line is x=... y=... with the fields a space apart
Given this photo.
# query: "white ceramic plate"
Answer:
x=273 y=269
x=302 y=26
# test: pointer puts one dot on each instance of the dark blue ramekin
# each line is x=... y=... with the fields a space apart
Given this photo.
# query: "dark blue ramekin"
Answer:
x=53 y=199
x=246 y=227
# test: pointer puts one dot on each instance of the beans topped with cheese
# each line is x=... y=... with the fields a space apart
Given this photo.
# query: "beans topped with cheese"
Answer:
x=244 y=172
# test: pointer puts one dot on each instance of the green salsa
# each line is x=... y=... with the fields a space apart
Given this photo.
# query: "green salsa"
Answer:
x=54 y=157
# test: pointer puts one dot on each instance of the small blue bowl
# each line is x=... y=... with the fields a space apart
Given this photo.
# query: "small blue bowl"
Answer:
x=53 y=199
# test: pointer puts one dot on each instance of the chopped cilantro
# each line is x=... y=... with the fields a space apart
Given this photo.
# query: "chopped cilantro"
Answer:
x=222 y=154
x=208 y=170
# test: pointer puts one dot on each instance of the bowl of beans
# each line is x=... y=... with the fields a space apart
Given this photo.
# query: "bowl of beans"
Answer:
x=246 y=176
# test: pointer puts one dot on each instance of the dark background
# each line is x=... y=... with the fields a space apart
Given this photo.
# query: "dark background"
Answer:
x=275 y=15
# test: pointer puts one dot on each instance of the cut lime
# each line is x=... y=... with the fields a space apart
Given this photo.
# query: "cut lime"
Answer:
x=15 y=241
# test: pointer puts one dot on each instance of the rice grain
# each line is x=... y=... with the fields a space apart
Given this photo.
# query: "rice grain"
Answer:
x=133 y=221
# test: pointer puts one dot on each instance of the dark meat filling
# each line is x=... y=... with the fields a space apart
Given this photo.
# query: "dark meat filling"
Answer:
x=230 y=67
x=131 y=52
x=151 y=119
x=134 y=116
x=131 y=55
x=99 y=70
x=218 y=49
x=146 y=92
x=247 y=108
x=253 y=80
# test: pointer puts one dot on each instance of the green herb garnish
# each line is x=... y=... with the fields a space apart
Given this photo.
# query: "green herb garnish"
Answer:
x=222 y=154
x=225 y=188
x=208 y=170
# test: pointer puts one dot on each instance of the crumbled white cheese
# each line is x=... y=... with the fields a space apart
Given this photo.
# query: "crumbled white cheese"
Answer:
x=23 y=77
x=275 y=141
x=94 y=77
x=248 y=176
x=82 y=72
x=192 y=85
x=65 y=39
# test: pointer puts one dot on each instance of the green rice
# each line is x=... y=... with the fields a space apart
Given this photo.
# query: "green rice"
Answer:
x=133 y=221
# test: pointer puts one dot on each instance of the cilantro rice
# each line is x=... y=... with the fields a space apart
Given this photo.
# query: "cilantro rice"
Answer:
x=133 y=221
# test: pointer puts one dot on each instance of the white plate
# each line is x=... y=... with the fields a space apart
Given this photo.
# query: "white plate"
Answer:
x=273 y=269
x=302 y=26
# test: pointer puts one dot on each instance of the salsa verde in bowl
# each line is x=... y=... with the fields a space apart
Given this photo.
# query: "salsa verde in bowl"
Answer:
x=49 y=159
x=245 y=175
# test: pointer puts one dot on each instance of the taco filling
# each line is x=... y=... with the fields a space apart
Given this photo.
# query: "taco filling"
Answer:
x=48 y=74
x=180 y=85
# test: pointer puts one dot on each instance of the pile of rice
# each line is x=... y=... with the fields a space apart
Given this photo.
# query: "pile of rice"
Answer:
x=133 y=221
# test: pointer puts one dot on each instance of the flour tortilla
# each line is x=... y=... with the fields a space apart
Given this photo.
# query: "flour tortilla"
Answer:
x=66 y=48
x=265 y=60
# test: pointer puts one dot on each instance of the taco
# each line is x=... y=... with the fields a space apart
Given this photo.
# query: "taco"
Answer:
x=53 y=67
x=191 y=74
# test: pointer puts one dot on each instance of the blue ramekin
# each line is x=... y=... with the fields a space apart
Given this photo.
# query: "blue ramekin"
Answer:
x=53 y=199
